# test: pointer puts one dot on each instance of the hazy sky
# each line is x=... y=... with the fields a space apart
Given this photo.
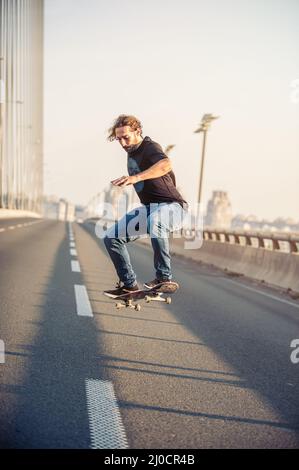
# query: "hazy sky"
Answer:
x=169 y=62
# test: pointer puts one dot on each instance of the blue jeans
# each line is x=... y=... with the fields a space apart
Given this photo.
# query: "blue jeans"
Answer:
x=157 y=220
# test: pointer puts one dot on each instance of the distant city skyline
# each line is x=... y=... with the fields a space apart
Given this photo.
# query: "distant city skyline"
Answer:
x=169 y=63
x=252 y=218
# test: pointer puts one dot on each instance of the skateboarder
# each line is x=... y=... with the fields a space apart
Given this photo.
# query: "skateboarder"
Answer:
x=163 y=208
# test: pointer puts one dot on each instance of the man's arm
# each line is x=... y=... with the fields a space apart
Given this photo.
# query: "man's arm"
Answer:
x=160 y=168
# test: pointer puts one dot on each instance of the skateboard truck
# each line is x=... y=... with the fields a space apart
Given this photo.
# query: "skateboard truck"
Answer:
x=128 y=304
x=148 y=298
x=157 y=298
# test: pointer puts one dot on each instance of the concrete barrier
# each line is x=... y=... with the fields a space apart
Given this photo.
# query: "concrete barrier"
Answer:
x=11 y=213
x=273 y=267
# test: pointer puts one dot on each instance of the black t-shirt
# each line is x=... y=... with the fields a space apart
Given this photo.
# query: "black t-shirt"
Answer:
x=154 y=190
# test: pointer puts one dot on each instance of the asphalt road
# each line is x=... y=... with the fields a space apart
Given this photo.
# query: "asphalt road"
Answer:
x=211 y=370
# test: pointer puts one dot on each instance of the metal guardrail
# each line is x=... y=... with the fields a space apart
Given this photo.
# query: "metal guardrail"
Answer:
x=287 y=243
x=283 y=242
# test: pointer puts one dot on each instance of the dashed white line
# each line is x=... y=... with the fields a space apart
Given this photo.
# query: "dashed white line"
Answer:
x=105 y=423
x=82 y=302
x=75 y=266
x=72 y=244
x=2 y=352
x=12 y=227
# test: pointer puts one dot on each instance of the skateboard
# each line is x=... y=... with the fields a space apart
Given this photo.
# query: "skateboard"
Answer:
x=155 y=294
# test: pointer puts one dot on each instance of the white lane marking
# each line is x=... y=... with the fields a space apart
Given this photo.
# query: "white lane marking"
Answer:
x=2 y=352
x=73 y=252
x=12 y=227
x=72 y=244
x=82 y=302
x=263 y=293
x=75 y=266
x=106 y=428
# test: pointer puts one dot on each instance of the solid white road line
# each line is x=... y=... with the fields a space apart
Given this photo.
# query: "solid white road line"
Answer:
x=82 y=302
x=2 y=352
x=105 y=423
x=75 y=266
x=263 y=293
x=73 y=252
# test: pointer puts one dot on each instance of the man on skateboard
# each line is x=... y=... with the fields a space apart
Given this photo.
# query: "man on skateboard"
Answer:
x=163 y=208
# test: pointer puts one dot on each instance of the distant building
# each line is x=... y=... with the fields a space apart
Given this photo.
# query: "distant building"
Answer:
x=219 y=211
x=121 y=199
x=58 y=209
x=79 y=213
x=252 y=223
x=50 y=207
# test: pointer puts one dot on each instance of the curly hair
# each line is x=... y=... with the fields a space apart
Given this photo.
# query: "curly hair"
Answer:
x=124 y=120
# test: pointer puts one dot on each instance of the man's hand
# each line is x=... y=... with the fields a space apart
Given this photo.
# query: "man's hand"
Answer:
x=155 y=171
x=125 y=180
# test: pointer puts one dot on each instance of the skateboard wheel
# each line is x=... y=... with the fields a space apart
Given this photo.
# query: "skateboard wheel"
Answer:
x=168 y=300
x=118 y=306
x=147 y=299
x=138 y=307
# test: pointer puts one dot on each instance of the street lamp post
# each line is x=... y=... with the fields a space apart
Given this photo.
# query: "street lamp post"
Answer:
x=204 y=126
x=168 y=149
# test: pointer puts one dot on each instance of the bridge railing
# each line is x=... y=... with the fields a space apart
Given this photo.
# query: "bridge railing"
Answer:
x=284 y=242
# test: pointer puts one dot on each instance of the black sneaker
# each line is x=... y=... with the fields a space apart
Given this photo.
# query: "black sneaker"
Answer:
x=120 y=290
x=155 y=282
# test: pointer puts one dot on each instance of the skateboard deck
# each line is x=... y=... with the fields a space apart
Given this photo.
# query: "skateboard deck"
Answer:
x=130 y=300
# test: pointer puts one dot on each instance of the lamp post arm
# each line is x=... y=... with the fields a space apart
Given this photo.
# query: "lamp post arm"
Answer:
x=202 y=165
